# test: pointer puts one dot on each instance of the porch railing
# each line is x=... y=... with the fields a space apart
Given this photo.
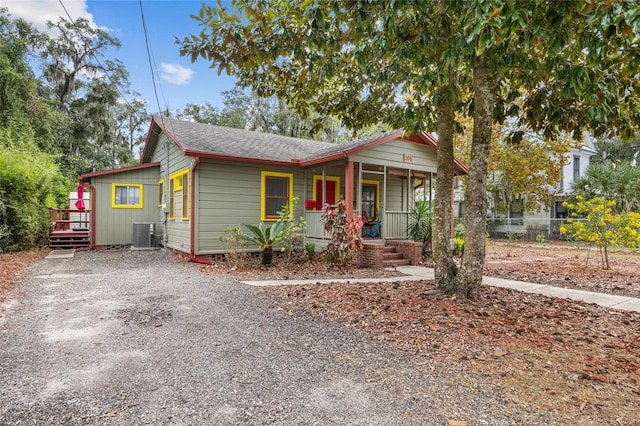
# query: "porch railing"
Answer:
x=395 y=224
x=68 y=219
x=315 y=229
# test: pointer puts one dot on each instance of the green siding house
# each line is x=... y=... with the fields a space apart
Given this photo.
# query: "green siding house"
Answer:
x=196 y=180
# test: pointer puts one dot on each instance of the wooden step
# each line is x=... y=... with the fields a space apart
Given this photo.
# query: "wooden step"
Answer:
x=69 y=239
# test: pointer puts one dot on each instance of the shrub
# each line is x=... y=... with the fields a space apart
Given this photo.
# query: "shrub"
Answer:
x=30 y=183
x=310 y=248
x=420 y=225
x=234 y=245
x=344 y=234
x=458 y=240
x=293 y=232
x=593 y=221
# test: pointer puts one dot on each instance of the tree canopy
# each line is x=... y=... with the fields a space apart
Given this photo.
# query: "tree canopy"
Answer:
x=554 y=66
x=53 y=127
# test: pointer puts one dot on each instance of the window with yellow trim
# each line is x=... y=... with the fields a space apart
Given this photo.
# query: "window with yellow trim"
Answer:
x=185 y=196
x=172 y=200
x=126 y=196
x=160 y=192
x=179 y=192
x=276 y=191
x=371 y=198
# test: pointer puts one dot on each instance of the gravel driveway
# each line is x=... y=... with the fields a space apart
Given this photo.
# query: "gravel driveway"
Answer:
x=136 y=337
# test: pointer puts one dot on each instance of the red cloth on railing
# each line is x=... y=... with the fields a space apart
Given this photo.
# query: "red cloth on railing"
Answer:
x=80 y=202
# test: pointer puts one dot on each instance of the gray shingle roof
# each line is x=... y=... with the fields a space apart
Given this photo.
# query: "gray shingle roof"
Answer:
x=226 y=141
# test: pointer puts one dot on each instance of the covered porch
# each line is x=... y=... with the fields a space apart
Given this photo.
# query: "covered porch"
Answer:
x=382 y=195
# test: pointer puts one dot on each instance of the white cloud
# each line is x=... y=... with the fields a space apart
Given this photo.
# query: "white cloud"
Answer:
x=38 y=12
x=176 y=74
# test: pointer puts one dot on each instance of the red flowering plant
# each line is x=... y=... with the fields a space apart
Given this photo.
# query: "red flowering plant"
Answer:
x=344 y=233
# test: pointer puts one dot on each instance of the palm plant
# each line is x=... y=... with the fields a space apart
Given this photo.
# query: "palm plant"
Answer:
x=265 y=238
x=420 y=224
x=618 y=182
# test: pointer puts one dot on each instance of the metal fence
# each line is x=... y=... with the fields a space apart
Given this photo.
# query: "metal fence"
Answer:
x=527 y=229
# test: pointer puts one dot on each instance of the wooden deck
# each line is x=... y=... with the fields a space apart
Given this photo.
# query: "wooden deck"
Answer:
x=69 y=229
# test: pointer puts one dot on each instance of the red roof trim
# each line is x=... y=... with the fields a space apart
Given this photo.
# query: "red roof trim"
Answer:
x=114 y=171
x=428 y=137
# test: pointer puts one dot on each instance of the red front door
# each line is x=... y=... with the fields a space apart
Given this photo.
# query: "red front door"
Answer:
x=331 y=193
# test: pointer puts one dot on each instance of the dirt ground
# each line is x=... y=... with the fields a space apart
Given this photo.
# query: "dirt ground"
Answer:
x=581 y=362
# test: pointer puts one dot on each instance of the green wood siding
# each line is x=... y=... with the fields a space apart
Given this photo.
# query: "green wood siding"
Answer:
x=177 y=230
x=392 y=154
x=228 y=194
x=114 y=226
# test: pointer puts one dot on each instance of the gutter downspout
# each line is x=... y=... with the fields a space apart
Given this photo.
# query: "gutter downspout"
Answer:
x=92 y=216
x=192 y=222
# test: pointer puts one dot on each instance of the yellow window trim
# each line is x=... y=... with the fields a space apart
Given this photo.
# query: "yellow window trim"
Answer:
x=161 y=190
x=377 y=184
x=172 y=200
x=263 y=192
x=177 y=176
x=114 y=185
x=176 y=180
x=186 y=205
x=317 y=178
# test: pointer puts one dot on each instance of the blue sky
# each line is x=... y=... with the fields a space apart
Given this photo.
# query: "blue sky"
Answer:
x=178 y=81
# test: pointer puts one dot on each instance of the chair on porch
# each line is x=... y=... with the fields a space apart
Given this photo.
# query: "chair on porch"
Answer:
x=369 y=228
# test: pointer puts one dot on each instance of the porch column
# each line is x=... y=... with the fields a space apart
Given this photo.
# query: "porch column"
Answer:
x=324 y=186
x=348 y=188
x=382 y=215
x=409 y=190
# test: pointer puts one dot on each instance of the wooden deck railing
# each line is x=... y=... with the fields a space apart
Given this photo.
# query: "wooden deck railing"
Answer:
x=68 y=219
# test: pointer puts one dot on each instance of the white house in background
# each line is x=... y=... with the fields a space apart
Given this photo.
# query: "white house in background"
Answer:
x=545 y=223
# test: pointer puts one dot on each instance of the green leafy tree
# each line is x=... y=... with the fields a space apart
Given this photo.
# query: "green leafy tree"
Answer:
x=592 y=220
x=413 y=64
x=199 y=113
x=87 y=86
x=617 y=151
x=20 y=103
x=132 y=120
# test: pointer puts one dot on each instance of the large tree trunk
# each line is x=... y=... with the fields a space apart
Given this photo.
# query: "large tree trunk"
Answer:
x=445 y=267
x=469 y=278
